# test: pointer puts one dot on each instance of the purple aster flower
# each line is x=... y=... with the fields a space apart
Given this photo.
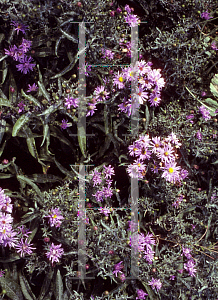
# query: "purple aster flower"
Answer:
x=119 y=80
x=132 y=20
x=205 y=15
x=155 y=168
x=107 y=53
x=21 y=106
x=19 y=26
x=64 y=124
x=213 y=46
x=130 y=74
x=2 y=273
x=141 y=95
x=70 y=101
x=97 y=179
x=26 y=45
x=55 y=217
x=107 y=192
x=149 y=254
x=134 y=170
x=199 y=135
x=141 y=294
x=98 y=196
x=10 y=238
x=190 y=267
x=155 y=283
x=25 y=65
x=100 y=93
x=183 y=173
x=12 y=51
x=54 y=253
x=117 y=268
x=205 y=112
x=122 y=277
x=104 y=210
x=171 y=172
x=24 y=247
x=32 y=88
x=85 y=69
x=128 y=9
x=108 y=171
x=24 y=231
x=172 y=277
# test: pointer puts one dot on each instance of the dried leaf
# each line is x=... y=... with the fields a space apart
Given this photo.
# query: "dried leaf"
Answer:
x=20 y=123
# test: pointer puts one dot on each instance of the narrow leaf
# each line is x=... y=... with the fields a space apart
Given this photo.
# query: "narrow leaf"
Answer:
x=43 y=90
x=31 y=98
x=25 y=287
x=82 y=139
x=20 y=123
x=59 y=286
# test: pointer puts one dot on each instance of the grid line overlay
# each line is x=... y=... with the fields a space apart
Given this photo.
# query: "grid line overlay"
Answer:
x=81 y=133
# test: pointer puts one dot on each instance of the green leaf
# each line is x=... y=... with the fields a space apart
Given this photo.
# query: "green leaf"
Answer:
x=82 y=139
x=33 y=185
x=43 y=90
x=46 y=284
x=51 y=109
x=59 y=286
x=5 y=102
x=46 y=132
x=12 y=96
x=43 y=178
x=25 y=287
x=2 y=129
x=13 y=290
x=20 y=123
x=13 y=257
x=5 y=70
x=31 y=98
x=214 y=85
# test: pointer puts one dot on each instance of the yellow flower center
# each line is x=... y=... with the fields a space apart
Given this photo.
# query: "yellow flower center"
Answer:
x=54 y=216
x=139 y=164
x=155 y=99
x=166 y=153
x=120 y=79
x=171 y=170
x=156 y=145
x=134 y=149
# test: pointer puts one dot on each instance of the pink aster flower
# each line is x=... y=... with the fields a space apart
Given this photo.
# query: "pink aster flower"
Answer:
x=91 y=109
x=125 y=106
x=141 y=294
x=119 y=80
x=108 y=171
x=143 y=67
x=70 y=101
x=166 y=154
x=32 y=88
x=199 y=135
x=186 y=252
x=132 y=20
x=130 y=74
x=171 y=172
x=143 y=141
x=128 y=9
x=55 y=217
x=213 y=46
x=19 y=26
x=25 y=65
x=135 y=170
x=100 y=93
x=24 y=247
x=190 y=267
x=156 y=143
x=142 y=95
x=133 y=148
x=155 y=100
x=155 y=283
x=54 y=253
x=172 y=138
x=104 y=210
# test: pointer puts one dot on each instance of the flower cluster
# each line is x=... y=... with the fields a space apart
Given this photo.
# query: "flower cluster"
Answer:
x=165 y=150
x=131 y=19
x=103 y=181
x=18 y=54
x=141 y=294
x=190 y=265
x=205 y=112
x=144 y=245
x=23 y=247
x=107 y=53
x=7 y=235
